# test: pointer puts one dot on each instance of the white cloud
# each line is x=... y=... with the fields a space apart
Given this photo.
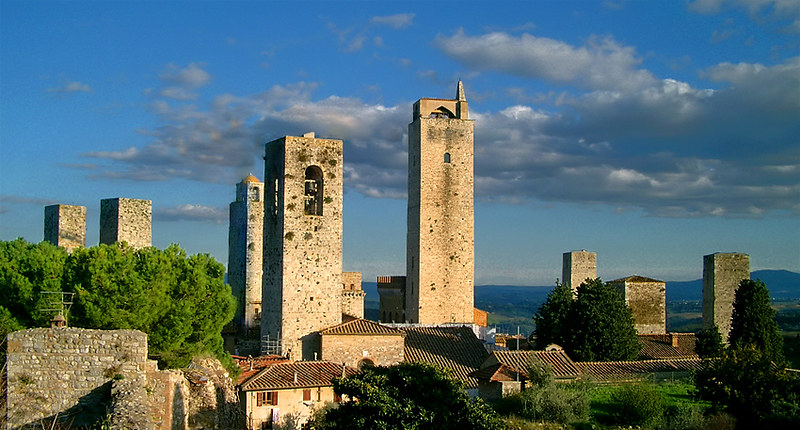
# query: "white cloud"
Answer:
x=191 y=76
x=190 y=212
x=759 y=10
x=601 y=63
x=397 y=21
x=71 y=87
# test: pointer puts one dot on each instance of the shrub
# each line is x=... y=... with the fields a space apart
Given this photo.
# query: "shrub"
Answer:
x=561 y=403
x=638 y=404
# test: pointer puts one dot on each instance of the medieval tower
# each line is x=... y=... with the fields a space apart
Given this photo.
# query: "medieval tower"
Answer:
x=577 y=266
x=440 y=252
x=126 y=220
x=722 y=273
x=65 y=226
x=245 y=262
x=302 y=278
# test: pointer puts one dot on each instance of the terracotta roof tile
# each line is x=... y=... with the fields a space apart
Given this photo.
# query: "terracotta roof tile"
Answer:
x=563 y=367
x=498 y=372
x=453 y=348
x=616 y=370
x=659 y=346
x=361 y=326
x=296 y=374
x=252 y=365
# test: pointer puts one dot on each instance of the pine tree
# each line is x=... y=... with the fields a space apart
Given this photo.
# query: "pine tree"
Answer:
x=551 y=318
x=753 y=321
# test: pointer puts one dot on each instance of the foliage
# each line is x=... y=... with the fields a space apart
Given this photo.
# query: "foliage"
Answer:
x=746 y=383
x=551 y=318
x=181 y=302
x=638 y=404
x=552 y=402
x=405 y=396
x=600 y=325
x=709 y=342
x=540 y=374
x=753 y=321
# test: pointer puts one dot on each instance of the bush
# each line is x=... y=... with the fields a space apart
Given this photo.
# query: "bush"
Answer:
x=561 y=403
x=684 y=416
x=638 y=404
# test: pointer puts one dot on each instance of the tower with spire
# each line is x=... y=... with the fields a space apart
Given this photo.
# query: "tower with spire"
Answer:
x=440 y=253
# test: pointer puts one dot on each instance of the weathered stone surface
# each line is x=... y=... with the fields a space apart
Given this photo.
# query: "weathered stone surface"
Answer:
x=577 y=266
x=647 y=299
x=352 y=294
x=722 y=273
x=126 y=220
x=65 y=226
x=353 y=350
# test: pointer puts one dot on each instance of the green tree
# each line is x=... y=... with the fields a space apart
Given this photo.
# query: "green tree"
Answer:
x=709 y=342
x=551 y=318
x=600 y=325
x=406 y=396
x=753 y=321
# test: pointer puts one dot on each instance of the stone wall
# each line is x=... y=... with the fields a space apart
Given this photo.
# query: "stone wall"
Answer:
x=440 y=239
x=381 y=350
x=352 y=294
x=647 y=299
x=68 y=371
x=577 y=266
x=126 y=220
x=722 y=273
x=65 y=226
x=392 y=307
x=302 y=252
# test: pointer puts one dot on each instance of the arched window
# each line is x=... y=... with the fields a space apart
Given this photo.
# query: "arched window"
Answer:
x=446 y=157
x=366 y=362
x=313 y=191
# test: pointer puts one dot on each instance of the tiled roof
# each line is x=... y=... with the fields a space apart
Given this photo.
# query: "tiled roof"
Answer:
x=659 y=346
x=498 y=372
x=453 y=348
x=252 y=365
x=361 y=326
x=297 y=374
x=559 y=361
x=635 y=278
x=615 y=370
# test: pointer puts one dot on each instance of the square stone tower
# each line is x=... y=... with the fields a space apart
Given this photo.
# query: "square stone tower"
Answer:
x=126 y=220
x=577 y=266
x=302 y=289
x=722 y=273
x=65 y=226
x=440 y=256
x=647 y=299
x=352 y=294
x=245 y=259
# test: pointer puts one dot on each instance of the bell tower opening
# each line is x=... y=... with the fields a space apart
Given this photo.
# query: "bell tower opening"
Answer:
x=313 y=191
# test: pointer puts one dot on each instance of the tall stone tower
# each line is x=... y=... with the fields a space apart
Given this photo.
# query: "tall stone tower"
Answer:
x=722 y=273
x=65 y=226
x=577 y=266
x=648 y=302
x=302 y=290
x=440 y=256
x=126 y=220
x=245 y=259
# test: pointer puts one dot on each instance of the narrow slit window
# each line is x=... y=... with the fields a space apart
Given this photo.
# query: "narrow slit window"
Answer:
x=446 y=157
x=313 y=191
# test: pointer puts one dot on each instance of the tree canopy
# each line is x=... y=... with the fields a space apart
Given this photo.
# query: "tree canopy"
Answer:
x=753 y=321
x=551 y=318
x=406 y=396
x=181 y=302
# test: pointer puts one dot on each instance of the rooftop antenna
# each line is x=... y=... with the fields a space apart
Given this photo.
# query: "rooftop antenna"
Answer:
x=61 y=307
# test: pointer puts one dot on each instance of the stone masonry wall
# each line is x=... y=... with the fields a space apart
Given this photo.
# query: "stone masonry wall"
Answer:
x=126 y=220
x=577 y=266
x=383 y=350
x=440 y=239
x=647 y=300
x=353 y=303
x=68 y=371
x=722 y=273
x=392 y=307
x=65 y=226
x=302 y=253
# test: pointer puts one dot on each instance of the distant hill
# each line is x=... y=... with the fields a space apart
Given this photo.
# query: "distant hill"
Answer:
x=782 y=284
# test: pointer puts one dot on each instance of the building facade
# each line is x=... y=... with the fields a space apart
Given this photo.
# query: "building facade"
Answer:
x=126 y=220
x=302 y=276
x=440 y=241
x=65 y=226
x=722 y=273
x=245 y=261
x=577 y=266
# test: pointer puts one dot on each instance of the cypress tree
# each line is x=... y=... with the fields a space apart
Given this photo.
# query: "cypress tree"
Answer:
x=753 y=321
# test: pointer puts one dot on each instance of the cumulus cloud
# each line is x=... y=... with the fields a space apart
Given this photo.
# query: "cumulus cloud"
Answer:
x=191 y=76
x=190 y=212
x=71 y=87
x=602 y=63
x=759 y=10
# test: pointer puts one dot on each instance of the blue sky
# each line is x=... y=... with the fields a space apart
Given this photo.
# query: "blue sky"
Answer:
x=652 y=133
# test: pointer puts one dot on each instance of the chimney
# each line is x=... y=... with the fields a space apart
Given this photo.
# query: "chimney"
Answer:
x=674 y=339
x=58 y=321
x=295 y=376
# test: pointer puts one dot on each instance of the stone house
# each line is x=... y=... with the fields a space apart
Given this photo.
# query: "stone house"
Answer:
x=505 y=372
x=288 y=390
x=358 y=342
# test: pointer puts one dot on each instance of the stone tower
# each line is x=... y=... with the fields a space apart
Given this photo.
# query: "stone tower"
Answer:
x=126 y=220
x=648 y=302
x=65 y=226
x=245 y=262
x=352 y=294
x=302 y=289
x=722 y=273
x=440 y=256
x=577 y=266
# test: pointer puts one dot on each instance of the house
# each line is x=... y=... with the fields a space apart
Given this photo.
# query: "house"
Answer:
x=631 y=371
x=283 y=389
x=358 y=342
x=667 y=346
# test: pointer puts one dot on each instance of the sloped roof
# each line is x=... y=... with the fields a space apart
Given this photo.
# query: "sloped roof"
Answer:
x=498 y=372
x=616 y=370
x=635 y=278
x=559 y=361
x=453 y=348
x=361 y=326
x=249 y=366
x=659 y=346
x=297 y=374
